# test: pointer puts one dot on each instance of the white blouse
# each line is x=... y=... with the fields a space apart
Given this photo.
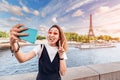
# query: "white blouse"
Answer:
x=52 y=51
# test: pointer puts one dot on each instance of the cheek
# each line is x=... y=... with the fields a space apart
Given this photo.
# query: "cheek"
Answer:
x=47 y=37
x=57 y=37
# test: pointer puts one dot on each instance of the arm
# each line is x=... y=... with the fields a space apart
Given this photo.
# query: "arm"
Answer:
x=14 y=33
x=22 y=57
x=63 y=67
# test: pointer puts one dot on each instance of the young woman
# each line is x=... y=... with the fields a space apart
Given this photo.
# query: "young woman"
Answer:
x=52 y=57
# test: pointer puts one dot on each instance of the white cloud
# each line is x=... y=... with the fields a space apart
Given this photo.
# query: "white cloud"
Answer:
x=43 y=28
x=43 y=14
x=5 y=6
x=4 y=23
x=16 y=10
x=111 y=16
x=14 y=19
x=25 y=9
x=108 y=19
x=36 y=13
x=28 y=19
x=54 y=20
x=77 y=13
x=102 y=9
x=77 y=5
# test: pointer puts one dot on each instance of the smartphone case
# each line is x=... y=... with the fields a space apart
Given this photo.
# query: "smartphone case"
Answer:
x=32 y=35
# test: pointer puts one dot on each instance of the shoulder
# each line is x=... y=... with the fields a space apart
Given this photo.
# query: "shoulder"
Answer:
x=38 y=46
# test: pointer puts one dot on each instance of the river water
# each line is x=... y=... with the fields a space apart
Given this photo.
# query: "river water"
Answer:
x=76 y=57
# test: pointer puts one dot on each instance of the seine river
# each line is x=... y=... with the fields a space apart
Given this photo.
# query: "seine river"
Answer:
x=76 y=57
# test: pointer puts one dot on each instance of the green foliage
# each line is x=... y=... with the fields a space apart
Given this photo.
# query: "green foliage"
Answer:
x=4 y=34
x=105 y=37
x=71 y=36
x=40 y=37
x=85 y=38
x=75 y=37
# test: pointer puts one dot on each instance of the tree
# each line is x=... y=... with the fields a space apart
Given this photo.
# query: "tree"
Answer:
x=3 y=34
x=40 y=37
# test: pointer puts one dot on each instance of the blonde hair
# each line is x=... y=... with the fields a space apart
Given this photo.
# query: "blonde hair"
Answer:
x=61 y=36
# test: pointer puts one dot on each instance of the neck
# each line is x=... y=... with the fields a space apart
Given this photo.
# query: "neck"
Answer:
x=53 y=45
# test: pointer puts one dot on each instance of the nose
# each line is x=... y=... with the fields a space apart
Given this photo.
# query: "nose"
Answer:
x=52 y=34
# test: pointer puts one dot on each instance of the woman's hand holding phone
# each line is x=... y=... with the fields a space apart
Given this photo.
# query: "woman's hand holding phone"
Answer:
x=15 y=32
x=14 y=37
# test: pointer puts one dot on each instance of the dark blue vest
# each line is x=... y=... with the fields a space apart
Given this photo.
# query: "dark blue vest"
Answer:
x=48 y=70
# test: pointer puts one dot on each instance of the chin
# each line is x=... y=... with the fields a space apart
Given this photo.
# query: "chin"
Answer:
x=52 y=43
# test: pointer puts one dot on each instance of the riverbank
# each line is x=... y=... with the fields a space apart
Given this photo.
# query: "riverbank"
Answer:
x=106 y=71
x=4 y=43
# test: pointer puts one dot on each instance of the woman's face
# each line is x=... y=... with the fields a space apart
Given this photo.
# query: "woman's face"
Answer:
x=53 y=36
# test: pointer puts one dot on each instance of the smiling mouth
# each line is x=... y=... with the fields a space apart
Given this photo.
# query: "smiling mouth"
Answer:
x=51 y=39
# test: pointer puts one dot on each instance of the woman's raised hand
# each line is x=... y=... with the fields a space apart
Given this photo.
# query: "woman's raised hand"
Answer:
x=61 y=49
x=15 y=33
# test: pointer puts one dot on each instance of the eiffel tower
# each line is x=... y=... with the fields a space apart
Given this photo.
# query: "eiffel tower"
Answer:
x=91 y=33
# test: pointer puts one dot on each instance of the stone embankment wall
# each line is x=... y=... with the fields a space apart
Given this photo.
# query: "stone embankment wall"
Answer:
x=107 y=71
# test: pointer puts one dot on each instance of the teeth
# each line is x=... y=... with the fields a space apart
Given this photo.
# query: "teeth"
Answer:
x=52 y=39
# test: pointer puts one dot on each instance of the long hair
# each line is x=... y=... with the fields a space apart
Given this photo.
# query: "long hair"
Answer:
x=61 y=36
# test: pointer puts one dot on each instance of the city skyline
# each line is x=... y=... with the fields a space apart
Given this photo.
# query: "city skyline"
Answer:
x=72 y=15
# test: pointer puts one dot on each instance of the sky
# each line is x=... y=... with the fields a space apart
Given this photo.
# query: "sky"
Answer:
x=71 y=15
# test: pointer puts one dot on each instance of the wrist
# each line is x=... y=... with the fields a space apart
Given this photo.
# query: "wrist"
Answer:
x=61 y=58
x=61 y=55
x=15 y=50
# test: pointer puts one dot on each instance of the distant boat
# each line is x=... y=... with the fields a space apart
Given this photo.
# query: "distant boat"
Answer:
x=92 y=44
x=95 y=45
